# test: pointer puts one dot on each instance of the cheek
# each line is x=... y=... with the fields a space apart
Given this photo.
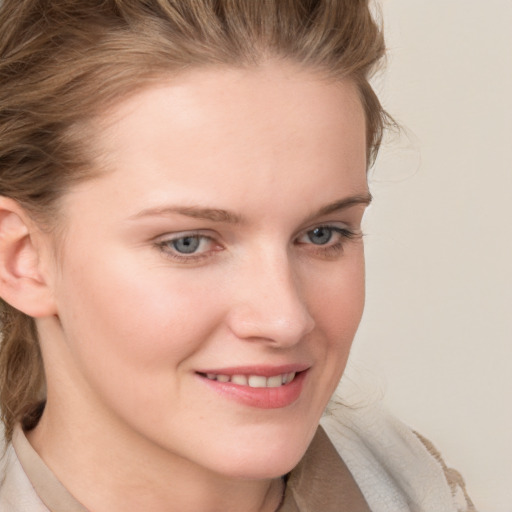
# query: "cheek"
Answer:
x=337 y=306
x=128 y=317
x=339 y=302
x=131 y=335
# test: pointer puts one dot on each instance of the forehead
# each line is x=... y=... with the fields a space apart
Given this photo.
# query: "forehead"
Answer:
x=234 y=132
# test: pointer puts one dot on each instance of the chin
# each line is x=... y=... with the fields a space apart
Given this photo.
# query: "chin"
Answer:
x=266 y=459
x=274 y=466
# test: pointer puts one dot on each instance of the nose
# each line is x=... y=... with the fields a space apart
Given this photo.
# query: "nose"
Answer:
x=269 y=305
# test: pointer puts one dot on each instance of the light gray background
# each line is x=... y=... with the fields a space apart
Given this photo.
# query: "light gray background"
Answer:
x=437 y=332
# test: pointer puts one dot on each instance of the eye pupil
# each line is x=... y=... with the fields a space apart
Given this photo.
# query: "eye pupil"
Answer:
x=320 y=236
x=187 y=244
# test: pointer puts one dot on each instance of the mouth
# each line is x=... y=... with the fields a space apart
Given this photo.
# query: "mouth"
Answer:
x=253 y=381
x=260 y=387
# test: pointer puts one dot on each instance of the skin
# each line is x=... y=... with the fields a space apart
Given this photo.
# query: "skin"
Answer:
x=132 y=320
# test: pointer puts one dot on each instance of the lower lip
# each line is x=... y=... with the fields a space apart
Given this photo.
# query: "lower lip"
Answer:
x=262 y=398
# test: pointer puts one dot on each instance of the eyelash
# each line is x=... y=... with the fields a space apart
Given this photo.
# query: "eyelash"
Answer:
x=331 y=250
x=166 y=247
x=328 y=250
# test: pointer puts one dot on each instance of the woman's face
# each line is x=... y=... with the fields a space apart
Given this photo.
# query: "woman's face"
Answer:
x=218 y=251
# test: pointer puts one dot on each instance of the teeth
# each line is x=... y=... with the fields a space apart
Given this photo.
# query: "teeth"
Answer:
x=257 y=381
x=275 y=382
x=241 y=380
x=254 y=381
x=289 y=377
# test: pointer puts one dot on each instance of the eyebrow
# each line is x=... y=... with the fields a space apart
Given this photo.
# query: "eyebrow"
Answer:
x=227 y=217
x=343 y=204
x=196 y=212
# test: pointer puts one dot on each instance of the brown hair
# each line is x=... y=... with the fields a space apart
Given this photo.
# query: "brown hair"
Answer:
x=63 y=61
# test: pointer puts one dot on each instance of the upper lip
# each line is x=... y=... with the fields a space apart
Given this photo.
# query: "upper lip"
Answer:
x=263 y=370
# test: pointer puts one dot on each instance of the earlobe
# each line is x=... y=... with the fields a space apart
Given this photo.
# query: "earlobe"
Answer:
x=22 y=284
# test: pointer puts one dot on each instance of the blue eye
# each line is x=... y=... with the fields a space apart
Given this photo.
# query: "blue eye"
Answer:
x=188 y=247
x=320 y=236
x=186 y=244
x=327 y=241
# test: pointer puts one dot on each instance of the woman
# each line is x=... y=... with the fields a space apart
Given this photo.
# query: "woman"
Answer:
x=181 y=259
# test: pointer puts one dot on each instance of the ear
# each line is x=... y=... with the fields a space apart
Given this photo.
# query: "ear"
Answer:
x=23 y=285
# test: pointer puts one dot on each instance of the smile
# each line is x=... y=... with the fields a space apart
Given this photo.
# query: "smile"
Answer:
x=254 y=381
x=258 y=386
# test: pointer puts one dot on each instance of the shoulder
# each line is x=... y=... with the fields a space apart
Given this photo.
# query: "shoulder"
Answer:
x=396 y=468
x=16 y=491
x=453 y=478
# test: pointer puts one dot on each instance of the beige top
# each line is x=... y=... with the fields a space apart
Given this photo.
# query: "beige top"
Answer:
x=30 y=486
